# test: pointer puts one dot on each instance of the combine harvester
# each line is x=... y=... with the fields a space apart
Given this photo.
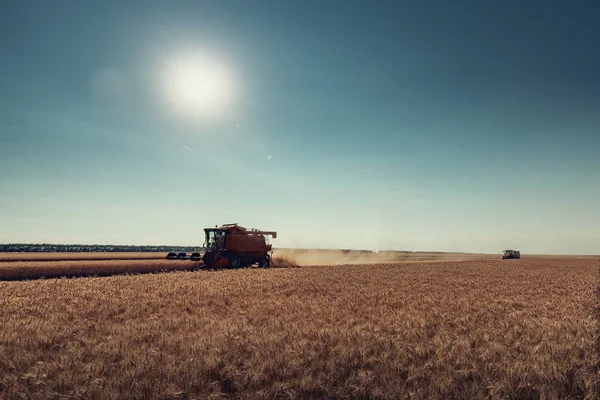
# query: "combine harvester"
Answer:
x=232 y=246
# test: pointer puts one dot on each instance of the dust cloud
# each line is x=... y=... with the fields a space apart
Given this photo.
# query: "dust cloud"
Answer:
x=307 y=257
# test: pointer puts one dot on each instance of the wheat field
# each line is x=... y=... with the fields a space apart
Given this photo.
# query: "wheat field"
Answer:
x=515 y=329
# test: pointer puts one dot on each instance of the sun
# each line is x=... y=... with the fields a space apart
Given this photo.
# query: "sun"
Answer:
x=197 y=86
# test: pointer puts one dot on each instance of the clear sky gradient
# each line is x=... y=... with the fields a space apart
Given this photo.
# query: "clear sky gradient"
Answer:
x=416 y=125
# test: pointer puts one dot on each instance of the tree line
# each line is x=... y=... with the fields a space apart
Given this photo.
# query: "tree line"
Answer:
x=93 y=248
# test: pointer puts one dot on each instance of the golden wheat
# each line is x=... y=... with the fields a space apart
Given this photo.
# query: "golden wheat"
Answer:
x=477 y=329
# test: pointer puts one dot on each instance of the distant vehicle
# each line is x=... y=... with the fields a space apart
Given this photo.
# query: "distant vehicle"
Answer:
x=511 y=254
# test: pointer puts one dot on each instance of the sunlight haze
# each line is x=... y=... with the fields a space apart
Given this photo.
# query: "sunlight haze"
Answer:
x=374 y=125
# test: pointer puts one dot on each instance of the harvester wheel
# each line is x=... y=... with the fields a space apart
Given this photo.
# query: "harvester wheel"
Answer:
x=235 y=261
x=264 y=263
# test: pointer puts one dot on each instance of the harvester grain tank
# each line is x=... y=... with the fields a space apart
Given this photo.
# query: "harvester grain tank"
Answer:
x=233 y=246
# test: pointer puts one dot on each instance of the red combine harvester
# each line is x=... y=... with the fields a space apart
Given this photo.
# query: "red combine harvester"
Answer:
x=232 y=246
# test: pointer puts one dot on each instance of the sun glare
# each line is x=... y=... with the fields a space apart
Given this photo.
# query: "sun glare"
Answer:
x=197 y=87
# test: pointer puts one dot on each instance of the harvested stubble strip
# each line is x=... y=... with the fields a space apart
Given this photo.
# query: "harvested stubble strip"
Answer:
x=55 y=269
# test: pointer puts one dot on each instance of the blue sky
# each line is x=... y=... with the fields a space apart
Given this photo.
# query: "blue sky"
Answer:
x=430 y=125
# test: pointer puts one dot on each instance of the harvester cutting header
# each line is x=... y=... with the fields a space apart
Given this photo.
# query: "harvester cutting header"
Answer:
x=233 y=246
